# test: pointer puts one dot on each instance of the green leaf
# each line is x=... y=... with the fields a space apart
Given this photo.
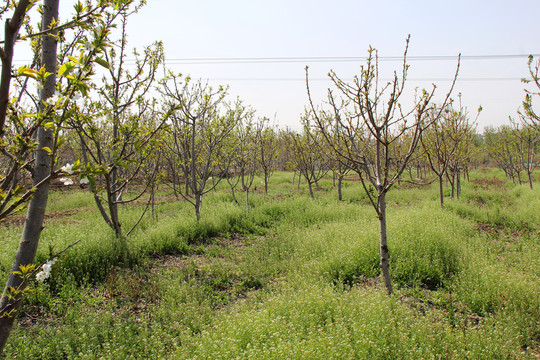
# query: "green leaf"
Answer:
x=74 y=59
x=65 y=68
x=102 y=62
x=24 y=71
x=83 y=88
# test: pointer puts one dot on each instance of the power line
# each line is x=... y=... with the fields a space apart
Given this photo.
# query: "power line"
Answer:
x=262 y=60
x=320 y=59
x=468 y=79
x=312 y=59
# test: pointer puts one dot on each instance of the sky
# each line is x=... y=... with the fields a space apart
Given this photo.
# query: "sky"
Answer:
x=196 y=32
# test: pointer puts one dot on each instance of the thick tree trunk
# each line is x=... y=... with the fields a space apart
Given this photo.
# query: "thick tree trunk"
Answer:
x=529 y=175
x=385 y=255
x=42 y=169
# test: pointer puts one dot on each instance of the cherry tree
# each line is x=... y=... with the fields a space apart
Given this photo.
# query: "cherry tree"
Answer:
x=445 y=143
x=29 y=142
x=370 y=125
x=117 y=130
x=308 y=158
x=201 y=124
x=268 y=149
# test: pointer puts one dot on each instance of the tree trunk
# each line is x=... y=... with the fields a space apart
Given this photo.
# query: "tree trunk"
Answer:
x=153 y=198
x=385 y=255
x=174 y=183
x=441 y=193
x=530 y=179
x=266 y=179
x=317 y=186
x=451 y=181
x=36 y=210
x=310 y=190
x=247 y=199
x=97 y=200
x=186 y=179
x=458 y=184
x=198 y=205
x=339 y=183
x=232 y=189
x=113 y=205
x=510 y=174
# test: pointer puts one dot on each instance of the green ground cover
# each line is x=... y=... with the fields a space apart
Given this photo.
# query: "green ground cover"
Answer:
x=292 y=278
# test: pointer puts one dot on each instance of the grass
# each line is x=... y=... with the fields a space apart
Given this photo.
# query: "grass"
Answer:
x=292 y=278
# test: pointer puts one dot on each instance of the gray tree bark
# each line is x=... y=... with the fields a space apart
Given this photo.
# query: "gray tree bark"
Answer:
x=385 y=254
x=42 y=169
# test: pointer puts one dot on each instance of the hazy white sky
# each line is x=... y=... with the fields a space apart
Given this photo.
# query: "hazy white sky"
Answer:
x=207 y=29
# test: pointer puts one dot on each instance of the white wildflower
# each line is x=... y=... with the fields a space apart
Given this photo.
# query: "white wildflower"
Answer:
x=66 y=181
x=68 y=169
